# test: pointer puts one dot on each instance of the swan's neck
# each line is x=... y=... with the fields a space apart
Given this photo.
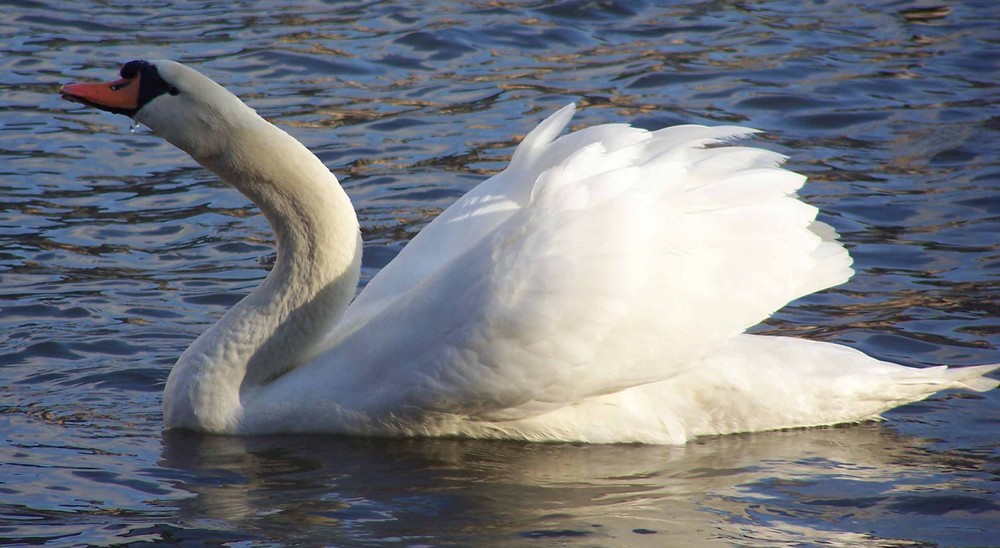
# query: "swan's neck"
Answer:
x=281 y=322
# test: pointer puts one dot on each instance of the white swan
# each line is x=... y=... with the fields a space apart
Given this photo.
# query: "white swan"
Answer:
x=596 y=290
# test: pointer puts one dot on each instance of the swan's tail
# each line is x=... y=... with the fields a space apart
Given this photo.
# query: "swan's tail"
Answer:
x=763 y=383
x=756 y=383
x=963 y=378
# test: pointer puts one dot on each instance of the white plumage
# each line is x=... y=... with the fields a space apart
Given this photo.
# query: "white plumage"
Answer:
x=596 y=290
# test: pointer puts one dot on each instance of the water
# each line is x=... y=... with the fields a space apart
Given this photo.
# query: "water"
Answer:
x=117 y=251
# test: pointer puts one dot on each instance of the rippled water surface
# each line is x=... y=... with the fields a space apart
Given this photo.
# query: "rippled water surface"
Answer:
x=116 y=251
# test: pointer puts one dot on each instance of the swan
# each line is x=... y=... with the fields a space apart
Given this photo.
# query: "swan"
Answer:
x=596 y=290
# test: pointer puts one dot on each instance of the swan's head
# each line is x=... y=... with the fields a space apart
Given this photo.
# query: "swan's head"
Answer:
x=175 y=101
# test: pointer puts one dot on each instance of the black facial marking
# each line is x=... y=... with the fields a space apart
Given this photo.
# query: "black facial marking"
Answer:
x=151 y=84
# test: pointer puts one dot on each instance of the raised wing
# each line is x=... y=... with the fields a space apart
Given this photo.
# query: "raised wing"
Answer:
x=607 y=258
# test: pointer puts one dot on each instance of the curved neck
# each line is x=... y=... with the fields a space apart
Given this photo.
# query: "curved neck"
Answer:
x=280 y=323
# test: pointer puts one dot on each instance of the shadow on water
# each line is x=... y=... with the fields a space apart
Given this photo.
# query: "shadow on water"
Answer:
x=860 y=483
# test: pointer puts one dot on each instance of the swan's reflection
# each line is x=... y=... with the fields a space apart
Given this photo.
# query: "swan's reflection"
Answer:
x=835 y=484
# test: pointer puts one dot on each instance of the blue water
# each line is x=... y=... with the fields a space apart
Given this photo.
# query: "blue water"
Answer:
x=116 y=251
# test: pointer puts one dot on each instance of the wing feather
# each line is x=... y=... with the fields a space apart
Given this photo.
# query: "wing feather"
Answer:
x=604 y=259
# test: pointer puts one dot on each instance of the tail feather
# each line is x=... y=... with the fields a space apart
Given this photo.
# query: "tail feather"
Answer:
x=764 y=382
x=969 y=378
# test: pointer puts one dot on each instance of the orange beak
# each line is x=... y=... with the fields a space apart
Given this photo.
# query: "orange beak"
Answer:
x=120 y=96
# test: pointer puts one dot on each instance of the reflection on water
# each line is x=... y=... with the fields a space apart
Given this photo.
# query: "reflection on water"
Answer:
x=743 y=489
x=116 y=252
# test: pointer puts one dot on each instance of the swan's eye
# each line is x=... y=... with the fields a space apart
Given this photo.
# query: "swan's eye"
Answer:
x=172 y=90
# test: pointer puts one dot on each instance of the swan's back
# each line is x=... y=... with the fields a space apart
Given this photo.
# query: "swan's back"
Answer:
x=597 y=261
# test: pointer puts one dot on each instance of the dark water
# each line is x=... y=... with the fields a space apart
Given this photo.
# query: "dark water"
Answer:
x=116 y=251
